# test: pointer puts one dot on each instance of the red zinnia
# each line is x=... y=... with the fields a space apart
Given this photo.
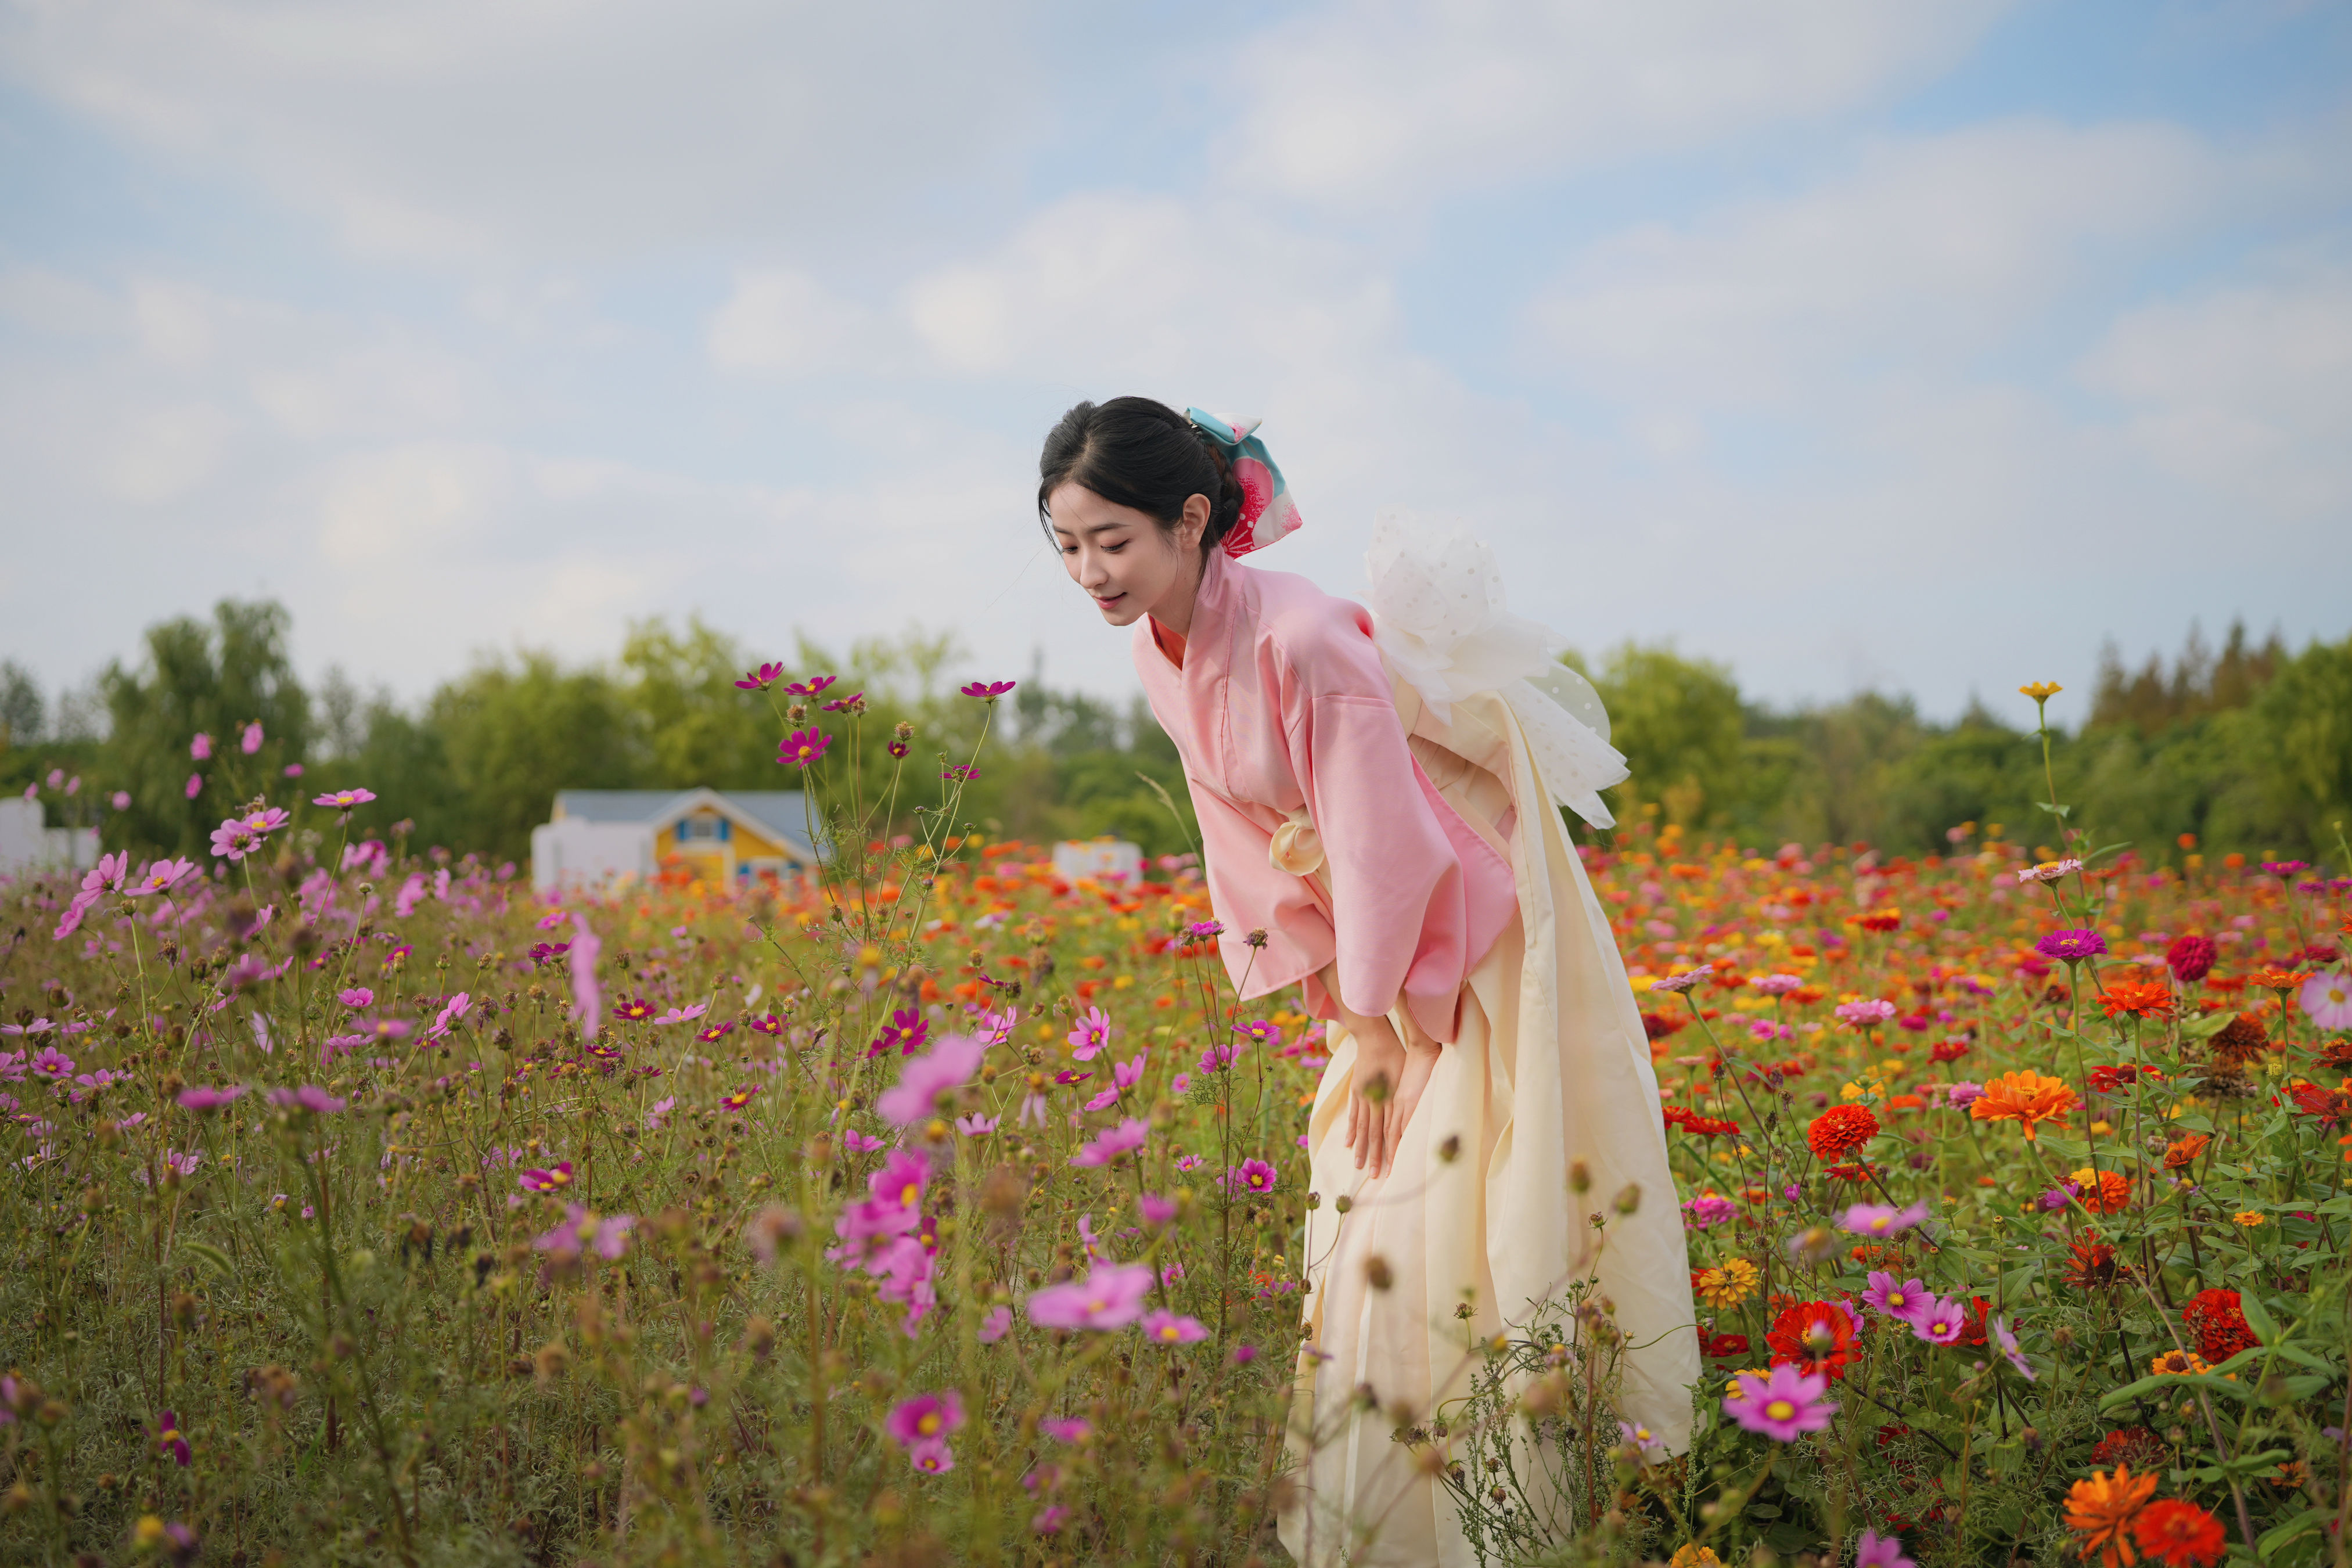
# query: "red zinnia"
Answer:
x=2134 y=1446
x=2220 y=1324
x=2178 y=1534
x=1840 y=1131
x=2191 y=958
x=1816 y=1336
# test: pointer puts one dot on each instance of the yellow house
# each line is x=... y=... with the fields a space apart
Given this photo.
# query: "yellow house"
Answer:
x=723 y=836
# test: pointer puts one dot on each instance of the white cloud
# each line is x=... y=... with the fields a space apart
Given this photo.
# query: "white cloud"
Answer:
x=2245 y=389
x=786 y=322
x=1373 y=100
x=456 y=128
x=1924 y=257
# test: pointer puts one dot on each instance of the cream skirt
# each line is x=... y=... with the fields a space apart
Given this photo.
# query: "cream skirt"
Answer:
x=1552 y=1067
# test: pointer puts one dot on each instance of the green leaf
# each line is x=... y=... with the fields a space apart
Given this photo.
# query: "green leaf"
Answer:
x=211 y=1257
x=2258 y=1318
x=2278 y=1535
x=2205 y=1025
x=2053 y=810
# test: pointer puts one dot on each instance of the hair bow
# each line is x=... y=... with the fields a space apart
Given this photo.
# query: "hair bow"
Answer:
x=1268 y=511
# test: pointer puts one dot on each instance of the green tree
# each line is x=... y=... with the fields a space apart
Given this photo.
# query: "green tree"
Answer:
x=1678 y=721
x=516 y=731
x=2302 y=731
x=210 y=679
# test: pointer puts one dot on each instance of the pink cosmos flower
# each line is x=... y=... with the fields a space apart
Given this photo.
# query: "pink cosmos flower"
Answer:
x=1165 y=1328
x=2006 y=1339
x=1709 y=1210
x=122 y=800
x=924 y=1417
x=250 y=741
x=976 y=1125
x=996 y=1325
x=346 y=799
x=168 y=1437
x=552 y=1180
x=858 y=1144
x=1092 y=1034
x=812 y=687
x=924 y=1079
x=2326 y=1000
x=195 y=785
x=932 y=1459
x=1881 y=1219
x=1132 y=1133
x=199 y=1097
x=201 y=748
x=1903 y=1300
x=355 y=998
x=309 y=1096
x=1154 y=1210
x=587 y=996
x=1783 y=1405
x=684 y=1014
x=52 y=1063
x=1877 y=1550
x=1940 y=1322
x=1109 y=1297
x=456 y=1008
x=988 y=690
x=1067 y=1428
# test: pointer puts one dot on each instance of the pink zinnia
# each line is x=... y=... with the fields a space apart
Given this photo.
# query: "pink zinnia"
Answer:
x=1782 y=1406
x=1109 y=1297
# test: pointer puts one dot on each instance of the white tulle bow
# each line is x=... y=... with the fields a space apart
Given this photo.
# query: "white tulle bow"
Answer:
x=1439 y=618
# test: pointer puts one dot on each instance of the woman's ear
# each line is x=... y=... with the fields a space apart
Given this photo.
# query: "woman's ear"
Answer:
x=1192 y=522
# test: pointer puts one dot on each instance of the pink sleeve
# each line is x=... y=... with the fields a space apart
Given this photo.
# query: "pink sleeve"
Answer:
x=1417 y=897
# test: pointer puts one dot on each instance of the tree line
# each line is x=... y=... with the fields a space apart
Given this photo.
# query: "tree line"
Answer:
x=2248 y=748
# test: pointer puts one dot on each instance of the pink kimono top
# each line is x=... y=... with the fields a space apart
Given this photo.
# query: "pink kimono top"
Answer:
x=1283 y=715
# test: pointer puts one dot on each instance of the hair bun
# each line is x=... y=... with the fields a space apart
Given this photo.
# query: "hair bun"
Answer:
x=1225 y=511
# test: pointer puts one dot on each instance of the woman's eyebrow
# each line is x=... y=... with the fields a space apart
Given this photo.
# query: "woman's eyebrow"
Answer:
x=1093 y=528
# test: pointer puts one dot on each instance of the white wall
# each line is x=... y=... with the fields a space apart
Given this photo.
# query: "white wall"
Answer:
x=573 y=853
x=27 y=845
x=1077 y=858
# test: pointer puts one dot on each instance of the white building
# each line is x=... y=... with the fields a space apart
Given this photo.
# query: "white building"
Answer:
x=731 y=836
x=1103 y=859
x=29 y=844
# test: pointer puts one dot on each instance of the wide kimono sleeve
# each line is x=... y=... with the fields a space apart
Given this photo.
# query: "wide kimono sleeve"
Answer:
x=1416 y=896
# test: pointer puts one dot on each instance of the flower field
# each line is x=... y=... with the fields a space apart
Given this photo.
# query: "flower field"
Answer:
x=367 y=1208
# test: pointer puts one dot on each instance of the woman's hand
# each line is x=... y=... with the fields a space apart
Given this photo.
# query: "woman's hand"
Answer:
x=1401 y=1068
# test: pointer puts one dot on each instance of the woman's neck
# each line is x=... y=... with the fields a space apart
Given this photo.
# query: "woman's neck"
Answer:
x=1174 y=611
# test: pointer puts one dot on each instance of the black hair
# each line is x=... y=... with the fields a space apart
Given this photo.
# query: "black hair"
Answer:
x=1136 y=452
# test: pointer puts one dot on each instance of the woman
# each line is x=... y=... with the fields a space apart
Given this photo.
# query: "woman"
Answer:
x=1376 y=795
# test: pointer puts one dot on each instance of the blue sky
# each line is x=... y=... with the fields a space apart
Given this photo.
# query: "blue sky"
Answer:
x=1922 y=347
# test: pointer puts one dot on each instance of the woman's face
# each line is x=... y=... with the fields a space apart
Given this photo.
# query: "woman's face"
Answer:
x=1125 y=560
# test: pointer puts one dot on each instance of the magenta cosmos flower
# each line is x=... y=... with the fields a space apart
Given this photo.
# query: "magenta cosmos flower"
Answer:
x=1902 y=1299
x=1251 y=1176
x=309 y=1096
x=761 y=679
x=1782 y=1406
x=552 y=1180
x=1092 y=1034
x=988 y=690
x=250 y=741
x=201 y=748
x=199 y=1097
x=804 y=748
x=1109 y=1297
x=1940 y=1322
x=812 y=687
x=161 y=878
x=346 y=799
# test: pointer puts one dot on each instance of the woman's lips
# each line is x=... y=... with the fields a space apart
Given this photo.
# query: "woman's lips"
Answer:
x=1108 y=603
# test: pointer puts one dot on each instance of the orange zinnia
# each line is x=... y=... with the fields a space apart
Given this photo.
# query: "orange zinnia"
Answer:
x=2140 y=999
x=2024 y=1097
x=2101 y=1509
x=2280 y=980
x=2183 y=1152
x=2179 y=1534
x=2104 y=1192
